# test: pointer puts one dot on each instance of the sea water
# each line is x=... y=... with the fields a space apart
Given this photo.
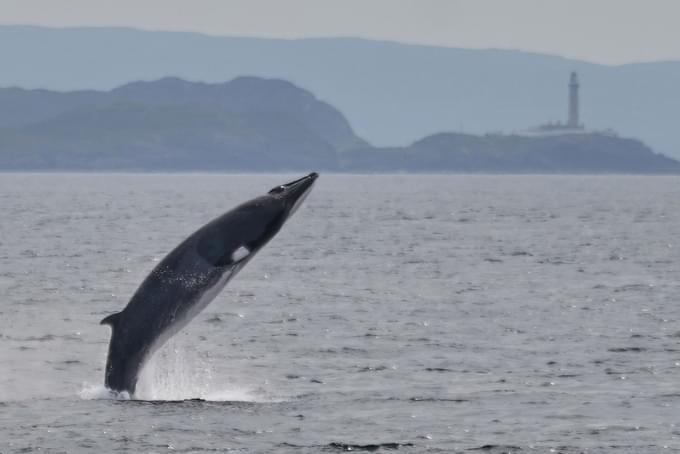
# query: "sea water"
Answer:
x=391 y=313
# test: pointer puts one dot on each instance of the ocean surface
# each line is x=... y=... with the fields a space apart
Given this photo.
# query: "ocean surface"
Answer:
x=414 y=314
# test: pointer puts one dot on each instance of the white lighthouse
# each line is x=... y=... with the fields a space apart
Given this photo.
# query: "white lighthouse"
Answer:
x=573 y=124
x=572 y=119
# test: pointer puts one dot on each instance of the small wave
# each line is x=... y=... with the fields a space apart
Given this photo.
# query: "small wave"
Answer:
x=438 y=399
x=347 y=447
x=627 y=349
x=621 y=373
x=502 y=448
x=521 y=254
x=372 y=368
x=555 y=261
x=634 y=288
x=46 y=337
x=368 y=447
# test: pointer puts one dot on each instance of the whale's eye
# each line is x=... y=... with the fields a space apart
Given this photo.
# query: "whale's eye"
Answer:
x=277 y=190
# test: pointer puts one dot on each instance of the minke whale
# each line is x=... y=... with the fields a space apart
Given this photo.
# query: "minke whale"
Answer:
x=190 y=277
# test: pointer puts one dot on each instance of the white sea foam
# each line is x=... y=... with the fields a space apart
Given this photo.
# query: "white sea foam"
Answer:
x=100 y=392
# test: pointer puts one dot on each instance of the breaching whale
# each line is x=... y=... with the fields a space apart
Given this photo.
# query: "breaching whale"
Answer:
x=190 y=277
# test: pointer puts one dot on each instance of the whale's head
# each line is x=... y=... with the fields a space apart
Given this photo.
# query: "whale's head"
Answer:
x=236 y=236
x=295 y=192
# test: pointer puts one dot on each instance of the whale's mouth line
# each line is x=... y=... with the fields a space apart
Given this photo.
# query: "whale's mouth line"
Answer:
x=301 y=198
x=297 y=191
x=312 y=176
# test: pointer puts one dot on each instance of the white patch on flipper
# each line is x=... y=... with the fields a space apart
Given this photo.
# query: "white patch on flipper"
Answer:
x=240 y=253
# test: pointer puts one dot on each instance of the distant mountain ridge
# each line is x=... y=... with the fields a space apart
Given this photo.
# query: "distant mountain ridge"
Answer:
x=254 y=124
x=247 y=124
x=19 y=107
x=393 y=93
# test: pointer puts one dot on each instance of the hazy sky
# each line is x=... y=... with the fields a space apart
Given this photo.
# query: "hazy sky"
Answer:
x=605 y=31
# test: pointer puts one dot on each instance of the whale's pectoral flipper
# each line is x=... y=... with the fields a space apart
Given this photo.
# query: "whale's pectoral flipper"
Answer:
x=111 y=320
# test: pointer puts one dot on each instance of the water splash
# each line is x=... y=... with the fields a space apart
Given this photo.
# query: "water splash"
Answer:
x=175 y=372
x=100 y=392
x=178 y=372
